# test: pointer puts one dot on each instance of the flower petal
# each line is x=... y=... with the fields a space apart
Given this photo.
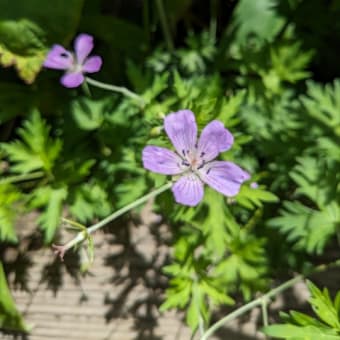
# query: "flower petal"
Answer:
x=59 y=58
x=224 y=177
x=161 y=160
x=73 y=79
x=188 y=190
x=182 y=130
x=83 y=46
x=92 y=64
x=215 y=138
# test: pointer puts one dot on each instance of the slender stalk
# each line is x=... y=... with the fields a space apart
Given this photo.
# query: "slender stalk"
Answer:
x=197 y=300
x=247 y=307
x=114 y=88
x=201 y=325
x=264 y=309
x=22 y=178
x=165 y=25
x=266 y=297
x=129 y=207
x=213 y=19
x=82 y=235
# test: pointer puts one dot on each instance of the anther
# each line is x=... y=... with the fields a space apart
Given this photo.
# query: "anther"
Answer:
x=201 y=165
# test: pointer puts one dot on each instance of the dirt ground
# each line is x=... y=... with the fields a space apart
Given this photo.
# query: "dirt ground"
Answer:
x=119 y=296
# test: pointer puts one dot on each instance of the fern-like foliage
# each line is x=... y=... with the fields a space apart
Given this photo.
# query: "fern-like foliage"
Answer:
x=314 y=219
x=9 y=197
x=300 y=326
x=36 y=150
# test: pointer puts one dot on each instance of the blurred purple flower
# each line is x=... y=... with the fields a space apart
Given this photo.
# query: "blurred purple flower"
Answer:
x=194 y=159
x=254 y=185
x=75 y=64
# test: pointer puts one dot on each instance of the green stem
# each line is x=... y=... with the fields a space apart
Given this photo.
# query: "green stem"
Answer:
x=266 y=297
x=165 y=25
x=81 y=236
x=213 y=19
x=22 y=178
x=264 y=310
x=120 y=89
x=235 y=314
x=197 y=299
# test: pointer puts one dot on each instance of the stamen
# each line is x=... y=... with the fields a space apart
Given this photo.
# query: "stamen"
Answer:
x=183 y=152
x=202 y=154
x=201 y=165
x=185 y=163
x=208 y=171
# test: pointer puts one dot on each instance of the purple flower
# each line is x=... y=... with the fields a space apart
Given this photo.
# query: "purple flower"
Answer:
x=254 y=185
x=75 y=64
x=194 y=160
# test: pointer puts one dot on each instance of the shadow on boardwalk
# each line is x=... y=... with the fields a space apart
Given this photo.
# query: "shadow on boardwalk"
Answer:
x=119 y=297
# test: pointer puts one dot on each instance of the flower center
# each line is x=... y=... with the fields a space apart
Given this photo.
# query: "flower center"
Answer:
x=77 y=68
x=193 y=160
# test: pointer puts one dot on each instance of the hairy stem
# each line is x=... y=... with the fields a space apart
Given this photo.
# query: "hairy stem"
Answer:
x=165 y=25
x=247 y=307
x=266 y=297
x=81 y=236
x=114 y=88
x=264 y=309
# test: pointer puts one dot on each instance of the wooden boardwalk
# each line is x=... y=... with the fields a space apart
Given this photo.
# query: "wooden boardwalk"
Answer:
x=117 y=299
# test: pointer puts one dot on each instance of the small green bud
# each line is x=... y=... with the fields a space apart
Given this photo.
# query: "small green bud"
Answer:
x=156 y=131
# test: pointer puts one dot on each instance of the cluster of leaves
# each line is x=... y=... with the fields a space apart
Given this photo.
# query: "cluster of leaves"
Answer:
x=10 y=318
x=313 y=217
x=83 y=151
x=299 y=326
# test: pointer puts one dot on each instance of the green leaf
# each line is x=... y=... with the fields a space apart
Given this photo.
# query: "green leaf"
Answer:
x=180 y=86
x=299 y=333
x=89 y=114
x=289 y=62
x=51 y=200
x=256 y=18
x=218 y=297
x=309 y=228
x=230 y=107
x=37 y=150
x=159 y=84
x=28 y=59
x=254 y=197
x=193 y=315
x=178 y=295
x=25 y=27
x=323 y=306
x=130 y=191
x=245 y=268
x=299 y=326
x=10 y=318
x=89 y=201
x=323 y=103
x=8 y=212
x=218 y=223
